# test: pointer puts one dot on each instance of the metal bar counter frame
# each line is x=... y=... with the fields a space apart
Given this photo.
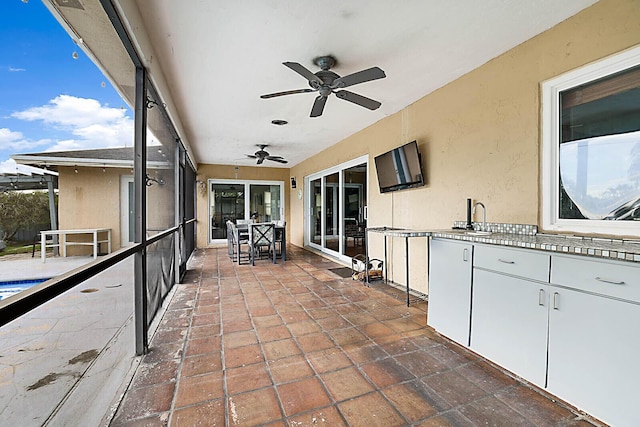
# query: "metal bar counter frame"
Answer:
x=94 y=232
x=406 y=234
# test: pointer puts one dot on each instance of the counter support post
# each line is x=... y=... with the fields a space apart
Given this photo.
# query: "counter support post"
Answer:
x=406 y=249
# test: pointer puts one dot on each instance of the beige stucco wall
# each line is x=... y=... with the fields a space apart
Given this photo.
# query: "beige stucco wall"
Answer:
x=206 y=172
x=90 y=199
x=479 y=135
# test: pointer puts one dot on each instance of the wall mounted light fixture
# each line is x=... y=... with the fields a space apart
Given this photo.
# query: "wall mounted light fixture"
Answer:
x=150 y=180
x=293 y=182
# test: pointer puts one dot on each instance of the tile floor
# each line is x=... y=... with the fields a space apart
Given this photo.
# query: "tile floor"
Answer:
x=293 y=344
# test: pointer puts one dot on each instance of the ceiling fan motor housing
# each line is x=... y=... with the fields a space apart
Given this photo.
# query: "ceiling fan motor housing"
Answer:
x=325 y=62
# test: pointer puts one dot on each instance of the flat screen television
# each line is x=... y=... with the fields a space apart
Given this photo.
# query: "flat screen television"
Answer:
x=400 y=168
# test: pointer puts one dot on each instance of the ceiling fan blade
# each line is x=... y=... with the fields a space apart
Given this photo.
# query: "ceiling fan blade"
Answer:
x=287 y=92
x=358 y=99
x=260 y=160
x=318 y=106
x=251 y=156
x=367 y=75
x=277 y=159
x=300 y=69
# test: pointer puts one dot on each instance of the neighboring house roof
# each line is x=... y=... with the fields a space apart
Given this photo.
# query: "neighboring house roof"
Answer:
x=102 y=157
x=20 y=181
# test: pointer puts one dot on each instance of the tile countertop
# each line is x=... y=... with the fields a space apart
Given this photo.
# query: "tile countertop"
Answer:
x=619 y=249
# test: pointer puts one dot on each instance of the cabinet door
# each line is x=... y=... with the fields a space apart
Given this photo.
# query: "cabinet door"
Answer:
x=509 y=323
x=450 y=289
x=594 y=345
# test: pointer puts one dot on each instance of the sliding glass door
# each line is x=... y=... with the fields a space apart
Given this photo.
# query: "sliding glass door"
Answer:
x=335 y=209
x=231 y=200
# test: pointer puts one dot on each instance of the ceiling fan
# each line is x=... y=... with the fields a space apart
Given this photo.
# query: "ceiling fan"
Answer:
x=326 y=82
x=262 y=155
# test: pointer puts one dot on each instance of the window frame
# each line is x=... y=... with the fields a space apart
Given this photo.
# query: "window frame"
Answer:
x=550 y=118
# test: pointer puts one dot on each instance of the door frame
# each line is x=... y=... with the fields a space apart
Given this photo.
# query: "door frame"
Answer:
x=308 y=193
x=125 y=217
x=247 y=201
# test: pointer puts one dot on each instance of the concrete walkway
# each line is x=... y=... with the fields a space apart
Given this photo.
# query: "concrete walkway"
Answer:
x=23 y=267
x=63 y=362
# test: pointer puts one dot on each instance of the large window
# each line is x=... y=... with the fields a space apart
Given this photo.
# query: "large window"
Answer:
x=591 y=148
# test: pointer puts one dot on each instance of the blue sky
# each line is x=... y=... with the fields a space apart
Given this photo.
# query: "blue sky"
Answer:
x=50 y=101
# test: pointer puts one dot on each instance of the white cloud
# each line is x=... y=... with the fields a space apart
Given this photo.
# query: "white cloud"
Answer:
x=16 y=141
x=93 y=125
x=16 y=70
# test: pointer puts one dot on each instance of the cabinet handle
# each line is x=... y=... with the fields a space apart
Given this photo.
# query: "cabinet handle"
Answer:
x=613 y=282
x=464 y=255
x=506 y=261
x=541 y=297
x=556 y=298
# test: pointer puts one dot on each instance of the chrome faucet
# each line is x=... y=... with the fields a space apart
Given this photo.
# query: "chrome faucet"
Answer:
x=484 y=215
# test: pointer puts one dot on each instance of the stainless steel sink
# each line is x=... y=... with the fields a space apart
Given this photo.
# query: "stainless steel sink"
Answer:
x=477 y=233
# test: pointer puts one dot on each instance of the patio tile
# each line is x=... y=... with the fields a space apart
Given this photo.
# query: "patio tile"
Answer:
x=328 y=360
x=274 y=333
x=201 y=364
x=329 y=417
x=537 y=408
x=275 y=350
x=145 y=401
x=239 y=339
x=420 y=364
x=254 y=408
x=199 y=389
x=203 y=345
x=247 y=378
x=370 y=410
x=249 y=353
x=267 y=321
x=315 y=342
x=490 y=411
x=346 y=384
x=204 y=414
x=302 y=396
x=242 y=356
x=386 y=372
x=412 y=400
x=156 y=373
x=289 y=369
x=304 y=328
x=486 y=376
x=365 y=353
x=454 y=388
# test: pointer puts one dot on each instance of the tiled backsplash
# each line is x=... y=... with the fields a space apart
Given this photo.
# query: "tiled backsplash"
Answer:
x=527 y=236
x=497 y=227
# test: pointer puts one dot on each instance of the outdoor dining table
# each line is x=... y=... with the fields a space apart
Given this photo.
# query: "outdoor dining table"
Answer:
x=281 y=236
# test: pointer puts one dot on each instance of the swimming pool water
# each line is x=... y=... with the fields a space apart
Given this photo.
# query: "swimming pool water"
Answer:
x=12 y=287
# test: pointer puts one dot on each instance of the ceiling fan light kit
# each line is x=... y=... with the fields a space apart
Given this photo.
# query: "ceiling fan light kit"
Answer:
x=326 y=82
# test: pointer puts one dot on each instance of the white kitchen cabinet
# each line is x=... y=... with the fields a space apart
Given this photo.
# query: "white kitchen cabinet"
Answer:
x=594 y=340
x=567 y=323
x=509 y=323
x=450 y=289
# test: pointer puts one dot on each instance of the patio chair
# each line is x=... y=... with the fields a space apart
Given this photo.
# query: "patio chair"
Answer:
x=231 y=242
x=279 y=236
x=241 y=244
x=262 y=238
x=353 y=230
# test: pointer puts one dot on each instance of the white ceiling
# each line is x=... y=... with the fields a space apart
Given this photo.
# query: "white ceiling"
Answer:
x=219 y=56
